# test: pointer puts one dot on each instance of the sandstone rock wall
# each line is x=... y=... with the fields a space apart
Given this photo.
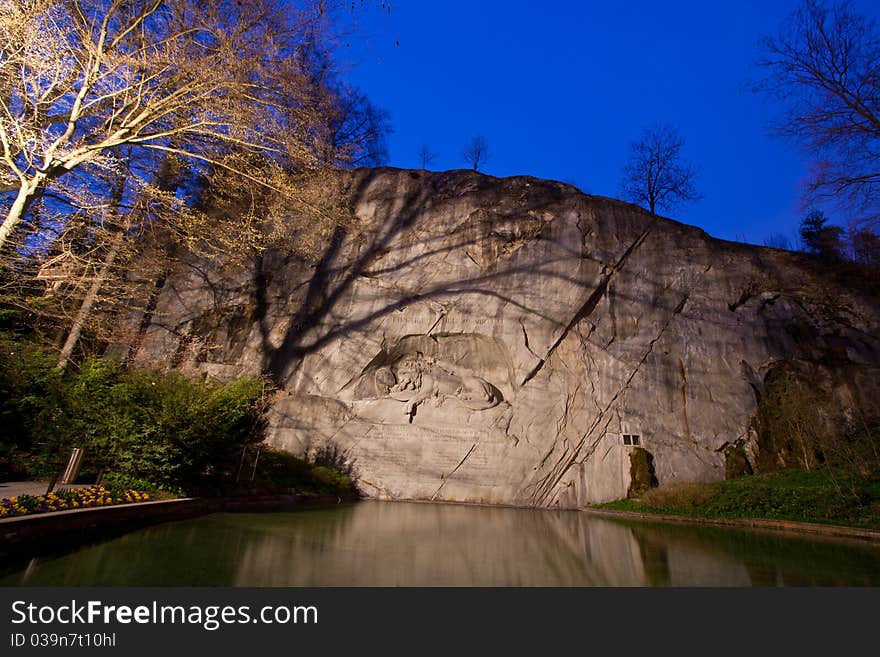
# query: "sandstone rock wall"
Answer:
x=495 y=340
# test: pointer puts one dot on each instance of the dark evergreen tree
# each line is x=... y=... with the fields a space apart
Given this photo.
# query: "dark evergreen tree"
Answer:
x=820 y=237
x=865 y=247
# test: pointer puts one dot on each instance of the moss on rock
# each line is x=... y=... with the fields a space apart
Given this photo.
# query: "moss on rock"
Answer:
x=641 y=472
x=736 y=463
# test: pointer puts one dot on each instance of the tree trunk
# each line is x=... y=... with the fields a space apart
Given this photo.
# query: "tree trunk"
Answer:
x=164 y=177
x=89 y=301
x=26 y=194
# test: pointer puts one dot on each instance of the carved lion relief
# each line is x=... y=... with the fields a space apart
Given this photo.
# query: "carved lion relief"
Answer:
x=416 y=379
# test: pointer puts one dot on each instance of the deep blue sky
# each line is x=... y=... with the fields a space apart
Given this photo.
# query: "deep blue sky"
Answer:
x=560 y=89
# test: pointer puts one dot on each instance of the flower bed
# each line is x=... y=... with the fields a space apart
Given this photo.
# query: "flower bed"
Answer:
x=62 y=500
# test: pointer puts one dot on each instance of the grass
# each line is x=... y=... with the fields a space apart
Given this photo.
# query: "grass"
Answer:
x=821 y=496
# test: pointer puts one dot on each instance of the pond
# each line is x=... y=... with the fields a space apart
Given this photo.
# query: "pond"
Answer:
x=411 y=544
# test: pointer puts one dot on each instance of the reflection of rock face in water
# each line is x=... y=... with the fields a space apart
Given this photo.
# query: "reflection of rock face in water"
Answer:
x=492 y=340
x=407 y=544
x=442 y=545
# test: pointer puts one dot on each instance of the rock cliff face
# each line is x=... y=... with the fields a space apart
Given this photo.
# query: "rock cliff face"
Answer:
x=512 y=340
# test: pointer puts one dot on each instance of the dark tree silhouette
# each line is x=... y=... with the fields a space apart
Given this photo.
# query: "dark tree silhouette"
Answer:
x=779 y=241
x=353 y=130
x=476 y=152
x=426 y=156
x=655 y=174
x=824 y=65
x=865 y=247
x=820 y=237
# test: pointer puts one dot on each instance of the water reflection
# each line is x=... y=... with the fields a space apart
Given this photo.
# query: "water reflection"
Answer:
x=409 y=544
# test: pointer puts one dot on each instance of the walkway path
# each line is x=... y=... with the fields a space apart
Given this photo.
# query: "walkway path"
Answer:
x=18 y=488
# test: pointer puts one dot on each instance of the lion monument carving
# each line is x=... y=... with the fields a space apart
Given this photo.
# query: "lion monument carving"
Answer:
x=418 y=379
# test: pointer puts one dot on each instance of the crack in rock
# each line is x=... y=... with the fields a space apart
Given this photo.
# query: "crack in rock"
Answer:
x=592 y=301
x=454 y=470
x=684 y=402
x=526 y=340
x=545 y=486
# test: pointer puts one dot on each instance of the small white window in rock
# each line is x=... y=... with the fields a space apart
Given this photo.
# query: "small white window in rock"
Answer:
x=631 y=439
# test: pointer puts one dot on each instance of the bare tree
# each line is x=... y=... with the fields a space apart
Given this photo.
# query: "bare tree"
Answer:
x=131 y=207
x=865 y=246
x=426 y=156
x=114 y=124
x=655 y=174
x=350 y=130
x=356 y=130
x=81 y=78
x=476 y=152
x=100 y=278
x=779 y=241
x=72 y=272
x=824 y=65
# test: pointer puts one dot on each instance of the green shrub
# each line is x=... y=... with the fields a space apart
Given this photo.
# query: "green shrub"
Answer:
x=181 y=432
x=278 y=470
x=26 y=377
x=801 y=424
x=152 y=430
x=331 y=481
x=162 y=427
x=118 y=483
